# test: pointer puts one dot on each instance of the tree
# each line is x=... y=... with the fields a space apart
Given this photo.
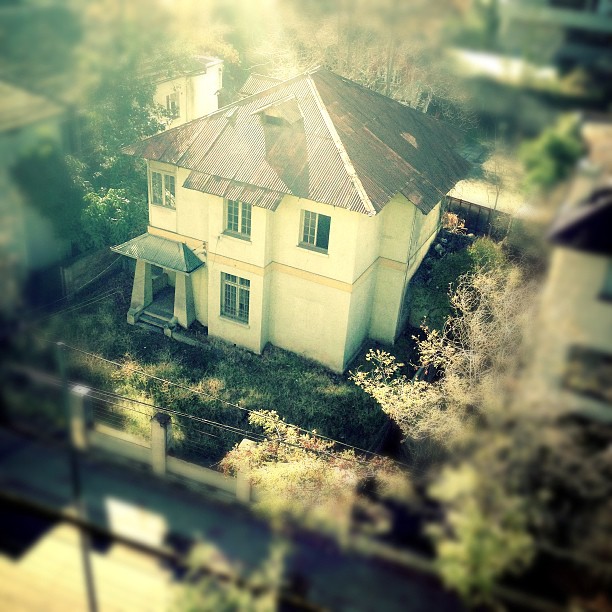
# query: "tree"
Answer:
x=484 y=489
x=302 y=477
x=552 y=156
x=215 y=585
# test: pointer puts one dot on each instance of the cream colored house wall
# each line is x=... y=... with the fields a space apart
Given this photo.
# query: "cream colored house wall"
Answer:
x=360 y=314
x=197 y=94
x=192 y=218
x=222 y=245
x=572 y=314
x=309 y=318
x=199 y=280
x=205 y=87
x=338 y=262
x=161 y=216
x=398 y=218
x=165 y=88
x=320 y=305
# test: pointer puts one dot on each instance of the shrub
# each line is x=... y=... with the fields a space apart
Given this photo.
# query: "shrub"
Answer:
x=549 y=158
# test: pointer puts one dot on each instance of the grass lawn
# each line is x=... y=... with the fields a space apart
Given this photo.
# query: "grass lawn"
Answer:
x=301 y=391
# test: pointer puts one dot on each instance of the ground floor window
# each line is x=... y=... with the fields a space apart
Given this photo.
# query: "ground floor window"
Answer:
x=235 y=296
x=589 y=372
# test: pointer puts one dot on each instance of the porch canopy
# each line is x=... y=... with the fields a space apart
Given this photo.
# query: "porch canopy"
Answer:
x=160 y=252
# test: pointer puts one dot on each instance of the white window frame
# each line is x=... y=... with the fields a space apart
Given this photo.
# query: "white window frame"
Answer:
x=168 y=189
x=173 y=104
x=241 y=224
x=309 y=231
x=235 y=297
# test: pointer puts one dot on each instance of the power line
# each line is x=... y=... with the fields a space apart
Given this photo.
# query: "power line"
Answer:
x=222 y=401
x=89 y=302
x=248 y=434
x=65 y=297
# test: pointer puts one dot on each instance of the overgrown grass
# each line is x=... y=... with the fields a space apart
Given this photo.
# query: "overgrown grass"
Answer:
x=212 y=377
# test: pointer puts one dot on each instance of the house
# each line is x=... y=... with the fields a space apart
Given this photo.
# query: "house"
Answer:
x=188 y=92
x=578 y=31
x=574 y=357
x=295 y=216
x=29 y=242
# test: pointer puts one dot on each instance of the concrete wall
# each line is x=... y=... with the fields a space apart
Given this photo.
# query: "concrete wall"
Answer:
x=572 y=313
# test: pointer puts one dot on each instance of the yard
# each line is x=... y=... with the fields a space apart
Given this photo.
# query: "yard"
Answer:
x=218 y=380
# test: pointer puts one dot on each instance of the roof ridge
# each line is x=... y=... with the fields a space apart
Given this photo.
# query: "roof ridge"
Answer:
x=344 y=156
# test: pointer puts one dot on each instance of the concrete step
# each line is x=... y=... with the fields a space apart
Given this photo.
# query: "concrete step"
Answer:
x=152 y=321
x=165 y=317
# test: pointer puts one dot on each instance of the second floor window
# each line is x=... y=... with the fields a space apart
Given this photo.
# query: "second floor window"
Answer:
x=238 y=218
x=163 y=189
x=172 y=104
x=314 y=232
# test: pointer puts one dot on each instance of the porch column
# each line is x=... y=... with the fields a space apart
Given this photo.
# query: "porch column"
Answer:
x=184 y=306
x=142 y=292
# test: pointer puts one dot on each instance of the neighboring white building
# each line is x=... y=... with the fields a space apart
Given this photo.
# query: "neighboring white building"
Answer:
x=574 y=346
x=296 y=216
x=579 y=31
x=192 y=92
x=28 y=240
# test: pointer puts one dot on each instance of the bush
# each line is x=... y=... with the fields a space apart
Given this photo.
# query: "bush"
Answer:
x=549 y=158
x=430 y=287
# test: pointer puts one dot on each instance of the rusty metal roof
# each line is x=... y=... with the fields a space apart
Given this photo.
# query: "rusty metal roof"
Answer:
x=351 y=147
x=160 y=252
x=256 y=83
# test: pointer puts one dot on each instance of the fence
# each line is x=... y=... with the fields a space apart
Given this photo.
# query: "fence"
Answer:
x=119 y=427
x=148 y=435
x=481 y=220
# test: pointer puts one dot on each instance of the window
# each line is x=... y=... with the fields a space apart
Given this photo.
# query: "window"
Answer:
x=172 y=104
x=315 y=231
x=589 y=372
x=235 y=294
x=163 y=189
x=238 y=218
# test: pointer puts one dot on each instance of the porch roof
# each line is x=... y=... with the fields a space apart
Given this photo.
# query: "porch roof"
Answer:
x=160 y=252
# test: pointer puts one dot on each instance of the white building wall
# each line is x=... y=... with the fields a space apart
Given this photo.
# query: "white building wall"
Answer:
x=572 y=313
x=191 y=209
x=309 y=318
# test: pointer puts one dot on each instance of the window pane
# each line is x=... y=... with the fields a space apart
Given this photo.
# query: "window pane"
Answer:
x=170 y=190
x=232 y=216
x=245 y=222
x=308 y=235
x=156 y=188
x=323 y=224
x=229 y=300
x=243 y=305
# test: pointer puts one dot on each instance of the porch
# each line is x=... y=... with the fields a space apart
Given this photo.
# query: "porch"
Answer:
x=162 y=294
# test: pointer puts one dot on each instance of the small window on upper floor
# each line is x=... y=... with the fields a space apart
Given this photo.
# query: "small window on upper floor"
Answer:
x=314 y=231
x=163 y=189
x=606 y=290
x=172 y=104
x=238 y=219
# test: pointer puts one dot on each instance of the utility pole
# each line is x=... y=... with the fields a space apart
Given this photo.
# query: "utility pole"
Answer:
x=77 y=496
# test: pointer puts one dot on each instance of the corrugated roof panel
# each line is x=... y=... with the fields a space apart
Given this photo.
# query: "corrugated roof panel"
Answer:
x=160 y=252
x=346 y=130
